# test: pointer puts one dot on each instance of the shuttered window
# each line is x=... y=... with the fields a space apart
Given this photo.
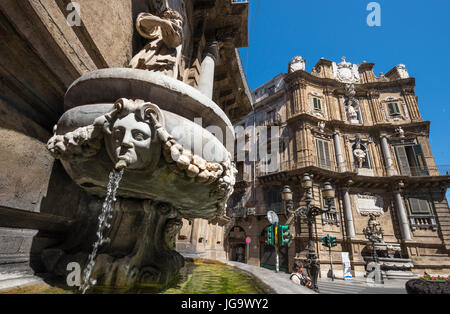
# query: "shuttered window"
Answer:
x=421 y=165
x=419 y=206
x=411 y=160
x=317 y=104
x=393 y=109
x=402 y=160
x=323 y=154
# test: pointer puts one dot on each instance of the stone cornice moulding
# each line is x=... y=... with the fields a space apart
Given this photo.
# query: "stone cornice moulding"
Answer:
x=329 y=82
x=388 y=128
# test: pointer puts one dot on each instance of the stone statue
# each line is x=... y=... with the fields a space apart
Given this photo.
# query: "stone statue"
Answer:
x=400 y=131
x=358 y=153
x=296 y=64
x=352 y=103
x=351 y=113
x=165 y=33
x=321 y=125
x=374 y=232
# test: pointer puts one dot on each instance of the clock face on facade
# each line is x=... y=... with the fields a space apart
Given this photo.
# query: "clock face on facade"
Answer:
x=272 y=217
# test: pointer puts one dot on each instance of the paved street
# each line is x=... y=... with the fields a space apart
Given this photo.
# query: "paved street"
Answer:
x=359 y=286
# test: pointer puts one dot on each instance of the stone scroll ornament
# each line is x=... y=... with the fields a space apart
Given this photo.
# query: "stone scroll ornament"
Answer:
x=165 y=33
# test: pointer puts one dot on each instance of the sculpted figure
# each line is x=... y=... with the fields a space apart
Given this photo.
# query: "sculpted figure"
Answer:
x=297 y=63
x=351 y=112
x=165 y=33
x=351 y=102
x=358 y=153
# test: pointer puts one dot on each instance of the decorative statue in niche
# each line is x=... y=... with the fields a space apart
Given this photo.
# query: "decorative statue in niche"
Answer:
x=359 y=153
x=352 y=103
x=165 y=32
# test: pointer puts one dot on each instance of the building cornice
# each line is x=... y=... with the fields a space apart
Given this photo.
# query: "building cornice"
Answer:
x=354 y=180
x=304 y=76
x=358 y=128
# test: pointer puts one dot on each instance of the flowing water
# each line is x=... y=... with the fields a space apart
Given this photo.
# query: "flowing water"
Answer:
x=103 y=225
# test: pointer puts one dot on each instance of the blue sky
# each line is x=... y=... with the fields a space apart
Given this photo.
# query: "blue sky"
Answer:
x=412 y=32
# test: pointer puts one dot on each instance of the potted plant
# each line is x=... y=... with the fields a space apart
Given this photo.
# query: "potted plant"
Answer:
x=428 y=284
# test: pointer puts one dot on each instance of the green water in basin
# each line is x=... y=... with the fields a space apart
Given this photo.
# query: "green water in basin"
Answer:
x=213 y=279
x=194 y=278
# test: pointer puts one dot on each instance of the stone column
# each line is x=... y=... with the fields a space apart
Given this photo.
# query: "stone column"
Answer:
x=210 y=57
x=387 y=156
x=402 y=217
x=348 y=214
x=338 y=152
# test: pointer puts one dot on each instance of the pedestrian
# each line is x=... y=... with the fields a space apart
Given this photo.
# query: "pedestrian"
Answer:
x=299 y=278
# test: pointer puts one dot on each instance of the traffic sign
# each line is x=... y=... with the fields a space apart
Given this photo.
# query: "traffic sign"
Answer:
x=248 y=240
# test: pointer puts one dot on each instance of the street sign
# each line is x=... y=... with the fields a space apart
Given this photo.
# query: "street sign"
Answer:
x=346 y=266
x=248 y=240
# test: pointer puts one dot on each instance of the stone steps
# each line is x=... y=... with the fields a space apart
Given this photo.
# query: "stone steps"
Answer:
x=17 y=279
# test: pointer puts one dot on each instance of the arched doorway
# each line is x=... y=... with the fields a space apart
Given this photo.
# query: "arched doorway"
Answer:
x=268 y=256
x=236 y=245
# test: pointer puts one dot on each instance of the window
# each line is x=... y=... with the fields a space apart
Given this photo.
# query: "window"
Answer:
x=271 y=116
x=273 y=199
x=317 y=104
x=419 y=206
x=393 y=109
x=411 y=160
x=323 y=154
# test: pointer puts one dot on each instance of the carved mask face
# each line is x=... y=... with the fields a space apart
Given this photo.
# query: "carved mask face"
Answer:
x=131 y=141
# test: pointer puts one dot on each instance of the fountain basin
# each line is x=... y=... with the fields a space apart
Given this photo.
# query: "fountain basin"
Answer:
x=94 y=95
x=146 y=124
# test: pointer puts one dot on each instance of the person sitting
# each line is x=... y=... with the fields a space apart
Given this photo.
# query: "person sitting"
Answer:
x=299 y=278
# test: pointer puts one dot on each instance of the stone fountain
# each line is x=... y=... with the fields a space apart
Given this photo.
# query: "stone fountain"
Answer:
x=140 y=120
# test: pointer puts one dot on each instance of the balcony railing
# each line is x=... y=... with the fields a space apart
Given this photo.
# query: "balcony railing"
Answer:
x=423 y=222
x=331 y=217
x=440 y=170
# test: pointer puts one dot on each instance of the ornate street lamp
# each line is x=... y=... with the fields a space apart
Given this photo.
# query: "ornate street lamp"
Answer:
x=309 y=213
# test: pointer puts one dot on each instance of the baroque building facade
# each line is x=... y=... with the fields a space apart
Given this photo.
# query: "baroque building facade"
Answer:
x=342 y=124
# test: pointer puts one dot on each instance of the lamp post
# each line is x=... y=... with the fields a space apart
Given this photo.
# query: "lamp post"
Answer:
x=309 y=212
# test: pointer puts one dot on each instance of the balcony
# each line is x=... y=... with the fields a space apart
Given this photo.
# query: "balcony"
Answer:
x=331 y=218
x=423 y=222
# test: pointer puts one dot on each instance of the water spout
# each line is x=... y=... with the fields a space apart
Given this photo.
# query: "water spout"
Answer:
x=121 y=164
x=103 y=224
